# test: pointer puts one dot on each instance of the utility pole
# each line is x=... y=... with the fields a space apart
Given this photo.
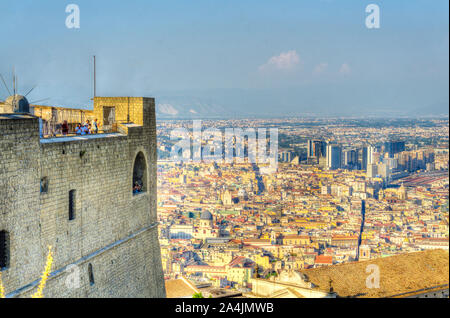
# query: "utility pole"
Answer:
x=95 y=79
x=14 y=81
x=14 y=88
x=128 y=111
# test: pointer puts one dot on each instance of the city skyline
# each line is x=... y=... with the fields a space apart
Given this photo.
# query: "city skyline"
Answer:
x=240 y=150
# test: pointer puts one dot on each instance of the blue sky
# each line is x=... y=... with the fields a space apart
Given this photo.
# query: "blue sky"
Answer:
x=253 y=57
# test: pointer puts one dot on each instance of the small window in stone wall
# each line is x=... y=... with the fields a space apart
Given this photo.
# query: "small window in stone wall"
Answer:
x=72 y=204
x=44 y=185
x=91 y=274
x=139 y=174
x=4 y=250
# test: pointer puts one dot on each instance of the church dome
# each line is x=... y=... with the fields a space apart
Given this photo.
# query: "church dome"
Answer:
x=206 y=215
x=18 y=104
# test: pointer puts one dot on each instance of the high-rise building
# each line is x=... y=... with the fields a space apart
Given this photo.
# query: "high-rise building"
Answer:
x=285 y=156
x=392 y=163
x=372 y=170
x=334 y=154
x=367 y=157
x=309 y=149
x=350 y=158
x=316 y=148
x=393 y=147
x=384 y=171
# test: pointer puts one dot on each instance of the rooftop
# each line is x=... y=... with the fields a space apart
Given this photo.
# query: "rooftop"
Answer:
x=80 y=137
x=402 y=274
x=16 y=116
x=180 y=288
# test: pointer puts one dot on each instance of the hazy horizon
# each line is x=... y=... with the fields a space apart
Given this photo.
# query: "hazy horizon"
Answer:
x=234 y=59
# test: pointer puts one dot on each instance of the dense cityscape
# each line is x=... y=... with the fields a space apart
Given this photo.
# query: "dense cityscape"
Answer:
x=345 y=190
x=243 y=151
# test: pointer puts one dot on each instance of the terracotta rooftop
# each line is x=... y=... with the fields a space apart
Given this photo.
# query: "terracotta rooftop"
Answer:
x=323 y=259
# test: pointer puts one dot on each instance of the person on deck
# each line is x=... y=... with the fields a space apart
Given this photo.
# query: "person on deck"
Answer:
x=65 y=128
x=95 y=125
x=78 y=129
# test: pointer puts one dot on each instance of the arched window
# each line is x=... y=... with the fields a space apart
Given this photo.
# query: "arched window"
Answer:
x=91 y=274
x=139 y=174
x=4 y=250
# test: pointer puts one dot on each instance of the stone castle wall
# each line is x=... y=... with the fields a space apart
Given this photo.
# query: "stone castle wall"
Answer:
x=114 y=232
x=19 y=198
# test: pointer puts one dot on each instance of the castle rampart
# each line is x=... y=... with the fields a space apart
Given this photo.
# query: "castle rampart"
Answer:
x=78 y=194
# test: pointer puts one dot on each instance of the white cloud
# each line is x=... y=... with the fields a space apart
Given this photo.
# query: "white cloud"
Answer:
x=285 y=61
x=320 y=68
x=345 y=69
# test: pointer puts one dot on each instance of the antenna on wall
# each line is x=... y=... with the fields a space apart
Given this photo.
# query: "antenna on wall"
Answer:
x=4 y=83
x=30 y=90
x=14 y=86
x=95 y=79
x=15 y=89
x=14 y=81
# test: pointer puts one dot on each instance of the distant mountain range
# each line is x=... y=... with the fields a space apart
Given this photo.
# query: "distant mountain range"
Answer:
x=191 y=109
x=188 y=107
x=435 y=109
x=232 y=104
x=287 y=103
